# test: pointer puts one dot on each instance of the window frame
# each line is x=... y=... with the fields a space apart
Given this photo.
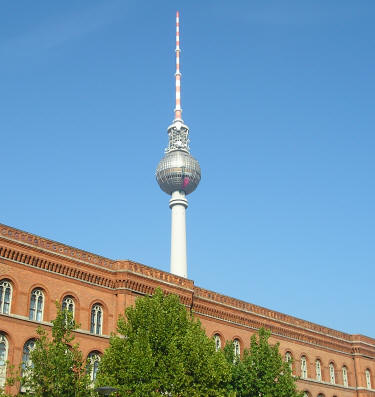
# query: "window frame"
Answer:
x=96 y=310
x=237 y=347
x=217 y=340
x=38 y=313
x=304 y=372
x=368 y=379
x=72 y=304
x=3 y=294
x=289 y=359
x=332 y=375
x=26 y=360
x=94 y=357
x=318 y=370
x=3 y=360
x=345 y=379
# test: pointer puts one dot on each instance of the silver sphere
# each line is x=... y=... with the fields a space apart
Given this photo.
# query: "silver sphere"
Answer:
x=178 y=170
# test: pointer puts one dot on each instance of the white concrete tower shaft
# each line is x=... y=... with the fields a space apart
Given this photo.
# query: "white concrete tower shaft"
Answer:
x=178 y=204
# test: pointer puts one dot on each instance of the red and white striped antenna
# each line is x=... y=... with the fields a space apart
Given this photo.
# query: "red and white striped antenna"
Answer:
x=178 y=110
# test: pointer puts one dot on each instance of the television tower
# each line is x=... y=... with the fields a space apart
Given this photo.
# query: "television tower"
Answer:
x=178 y=174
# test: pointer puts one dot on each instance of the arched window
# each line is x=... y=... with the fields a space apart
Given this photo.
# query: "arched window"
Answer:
x=217 y=340
x=303 y=367
x=332 y=373
x=345 y=376
x=3 y=358
x=27 y=364
x=28 y=347
x=93 y=361
x=5 y=296
x=289 y=359
x=96 y=319
x=36 y=305
x=318 y=370
x=306 y=394
x=320 y=395
x=368 y=378
x=68 y=304
x=237 y=347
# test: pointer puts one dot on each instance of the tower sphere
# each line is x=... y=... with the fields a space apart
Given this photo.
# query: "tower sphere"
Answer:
x=178 y=171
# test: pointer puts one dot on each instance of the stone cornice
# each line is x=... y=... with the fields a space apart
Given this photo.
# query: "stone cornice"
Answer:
x=290 y=332
x=271 y=314
x=67 y=270
x=53 y=246
x=155 y=274
x=238 y=312
x=130 y=276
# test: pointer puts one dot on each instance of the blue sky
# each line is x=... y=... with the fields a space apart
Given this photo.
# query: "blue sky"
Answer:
x=279 y=98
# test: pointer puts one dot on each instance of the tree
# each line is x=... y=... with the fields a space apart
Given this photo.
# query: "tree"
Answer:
x=162 y=350
x=57 y=367
x=261 y=372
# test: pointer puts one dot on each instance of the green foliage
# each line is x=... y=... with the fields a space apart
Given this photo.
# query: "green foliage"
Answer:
x=162 y=351
x=57 y=367
x=261 y=372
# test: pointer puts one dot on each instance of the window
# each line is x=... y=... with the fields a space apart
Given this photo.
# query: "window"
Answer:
x=93 y=361
x=217 y=340
x=5 y=296
x=318 y=370
x=3 y=358
x=289 y=359
x=68 y=304
x=332 y=373
x=368 y=379
x=303 y=367
x=344 y=376
x=96 y=319
x=28 y=347
x=36 y=305
x=237 y=347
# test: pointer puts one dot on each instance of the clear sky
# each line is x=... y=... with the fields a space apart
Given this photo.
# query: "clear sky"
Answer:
x=279 y=97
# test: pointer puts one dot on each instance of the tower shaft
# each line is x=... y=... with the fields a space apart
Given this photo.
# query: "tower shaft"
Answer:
x=178 y=204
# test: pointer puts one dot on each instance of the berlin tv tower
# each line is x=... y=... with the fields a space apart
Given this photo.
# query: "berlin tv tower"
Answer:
x=178 y=174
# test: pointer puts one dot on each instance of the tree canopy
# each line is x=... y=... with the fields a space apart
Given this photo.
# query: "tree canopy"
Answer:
x=261 y=372
x=162 y=350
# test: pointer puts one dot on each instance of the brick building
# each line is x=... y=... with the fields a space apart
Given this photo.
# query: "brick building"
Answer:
x=35 y=272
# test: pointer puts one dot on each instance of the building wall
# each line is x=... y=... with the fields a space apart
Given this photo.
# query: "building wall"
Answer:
x=29 y=262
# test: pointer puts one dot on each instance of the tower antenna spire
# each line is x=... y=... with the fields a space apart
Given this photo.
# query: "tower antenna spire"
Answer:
x=178 y=110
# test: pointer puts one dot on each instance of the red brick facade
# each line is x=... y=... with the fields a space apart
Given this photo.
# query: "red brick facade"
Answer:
x=29 y=262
